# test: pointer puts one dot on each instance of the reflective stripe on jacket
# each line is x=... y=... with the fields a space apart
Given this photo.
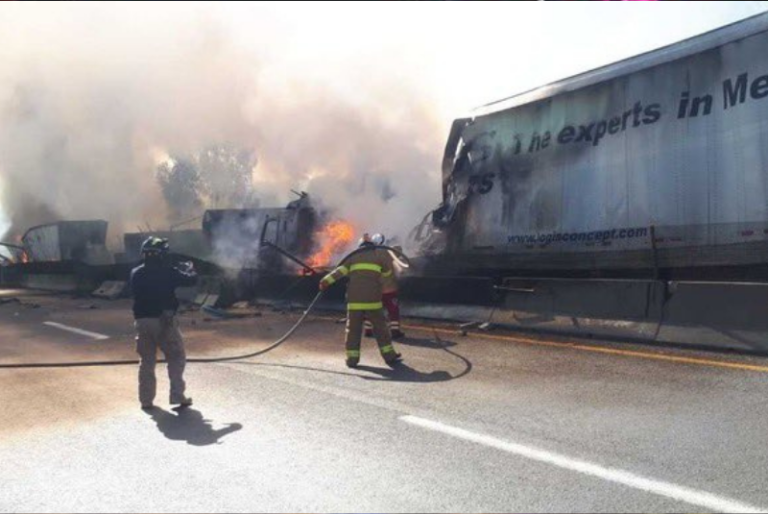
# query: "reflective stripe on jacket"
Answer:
x=365 y=271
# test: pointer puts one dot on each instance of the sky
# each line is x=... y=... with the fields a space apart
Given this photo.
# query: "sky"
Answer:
x=466 y=54
x=351 y=101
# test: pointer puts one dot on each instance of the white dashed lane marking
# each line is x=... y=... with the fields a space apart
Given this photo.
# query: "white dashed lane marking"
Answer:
x=92 y=335
x=618 y=476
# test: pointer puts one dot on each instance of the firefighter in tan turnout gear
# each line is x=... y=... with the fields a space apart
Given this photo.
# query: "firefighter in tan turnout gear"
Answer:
x=365 y=270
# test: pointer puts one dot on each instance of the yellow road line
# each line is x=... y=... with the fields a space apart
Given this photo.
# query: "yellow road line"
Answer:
x=611 y=351
x=595 y=349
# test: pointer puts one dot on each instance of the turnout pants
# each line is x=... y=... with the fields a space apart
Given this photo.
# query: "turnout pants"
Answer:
x=392 y=306
x=380 y=331
x=163 y=333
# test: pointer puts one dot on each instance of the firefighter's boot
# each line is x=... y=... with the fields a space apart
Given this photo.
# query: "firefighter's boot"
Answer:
x=397 y=334
x=394 y=328
x=393 y=361
x=181 y=403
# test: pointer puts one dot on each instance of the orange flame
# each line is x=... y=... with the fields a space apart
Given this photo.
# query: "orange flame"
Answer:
x=334 y=238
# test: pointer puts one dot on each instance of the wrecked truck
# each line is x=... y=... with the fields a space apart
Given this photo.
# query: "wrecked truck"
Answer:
x=652 y=166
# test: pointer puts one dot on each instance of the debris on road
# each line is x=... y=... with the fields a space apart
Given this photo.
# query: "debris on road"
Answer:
x=16 y=301
x=222 y=314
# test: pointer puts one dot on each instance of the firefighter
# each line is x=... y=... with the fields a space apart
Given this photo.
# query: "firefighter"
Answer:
x=153 y=285
x=390 y=298
x=365 y=270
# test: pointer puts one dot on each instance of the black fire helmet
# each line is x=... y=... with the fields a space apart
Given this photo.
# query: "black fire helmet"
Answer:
x=155 y=247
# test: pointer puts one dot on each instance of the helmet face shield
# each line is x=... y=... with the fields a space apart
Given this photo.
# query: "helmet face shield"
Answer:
x=378 y=239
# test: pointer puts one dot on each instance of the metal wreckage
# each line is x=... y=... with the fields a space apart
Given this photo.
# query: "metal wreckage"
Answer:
x=627 y=202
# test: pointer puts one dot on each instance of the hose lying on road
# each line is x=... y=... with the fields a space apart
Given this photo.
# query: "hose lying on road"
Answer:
x=211 y=360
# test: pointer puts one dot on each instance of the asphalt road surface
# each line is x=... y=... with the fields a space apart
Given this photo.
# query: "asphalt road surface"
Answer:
x=497 y=422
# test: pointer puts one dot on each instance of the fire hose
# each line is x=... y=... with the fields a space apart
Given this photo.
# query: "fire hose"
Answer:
x=201 y=360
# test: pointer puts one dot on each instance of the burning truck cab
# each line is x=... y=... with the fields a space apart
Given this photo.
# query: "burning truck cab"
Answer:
x=237 y=237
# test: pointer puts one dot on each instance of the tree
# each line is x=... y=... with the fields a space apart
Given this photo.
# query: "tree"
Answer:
x=181 y=185
x=216 y=178
x=226 y=174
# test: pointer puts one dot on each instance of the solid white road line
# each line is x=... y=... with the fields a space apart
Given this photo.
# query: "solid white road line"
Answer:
x=674 y=492
x=92 y=335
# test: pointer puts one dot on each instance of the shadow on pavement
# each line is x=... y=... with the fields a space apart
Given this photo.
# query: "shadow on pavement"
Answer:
x=402 y=373
x=405 y=373
x=191 y=426
x=425 y=343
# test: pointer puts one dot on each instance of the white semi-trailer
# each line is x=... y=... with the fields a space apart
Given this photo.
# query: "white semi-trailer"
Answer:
x=659 y=161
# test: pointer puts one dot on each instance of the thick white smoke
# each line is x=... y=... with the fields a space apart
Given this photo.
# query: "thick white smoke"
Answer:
x=90 y=94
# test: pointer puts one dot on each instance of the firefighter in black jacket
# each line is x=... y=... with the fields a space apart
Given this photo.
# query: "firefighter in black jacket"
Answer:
x=155 y=304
